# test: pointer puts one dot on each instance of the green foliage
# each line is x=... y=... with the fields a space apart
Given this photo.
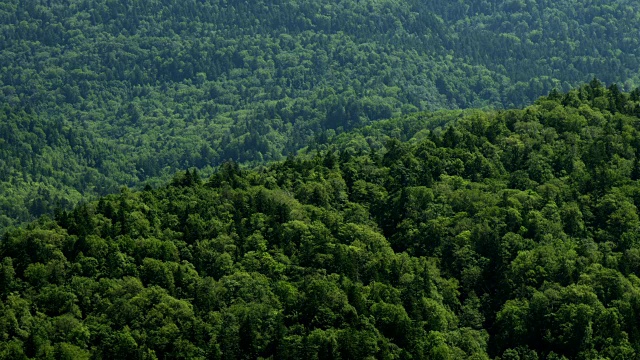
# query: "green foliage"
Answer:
x=453 y=235
x=100 y=94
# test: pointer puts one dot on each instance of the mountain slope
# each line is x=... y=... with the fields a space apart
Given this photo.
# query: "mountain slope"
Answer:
x=504 y=235
x=153 y=86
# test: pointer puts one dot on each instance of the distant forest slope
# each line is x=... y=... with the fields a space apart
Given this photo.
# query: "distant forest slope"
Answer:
x=102 y=93
x=506 y=235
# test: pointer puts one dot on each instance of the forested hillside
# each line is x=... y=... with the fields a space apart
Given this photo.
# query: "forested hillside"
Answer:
x=501 y=235
x=97 y=94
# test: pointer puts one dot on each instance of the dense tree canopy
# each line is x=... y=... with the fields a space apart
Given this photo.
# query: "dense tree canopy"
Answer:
x=97 y=94
x=492 y=235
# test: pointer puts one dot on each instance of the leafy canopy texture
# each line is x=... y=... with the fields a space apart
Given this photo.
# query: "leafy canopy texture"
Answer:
x=98 y=94
x=501 y=235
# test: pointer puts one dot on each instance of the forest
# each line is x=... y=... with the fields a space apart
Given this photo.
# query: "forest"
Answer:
x=465 y=234
x=100 y=94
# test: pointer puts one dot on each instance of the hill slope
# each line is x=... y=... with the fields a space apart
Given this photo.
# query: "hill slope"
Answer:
x=123 y=92
x=506 y=234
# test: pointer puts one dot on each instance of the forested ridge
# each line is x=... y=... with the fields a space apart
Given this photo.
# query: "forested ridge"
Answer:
x=97 y=94
x=504 y=234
